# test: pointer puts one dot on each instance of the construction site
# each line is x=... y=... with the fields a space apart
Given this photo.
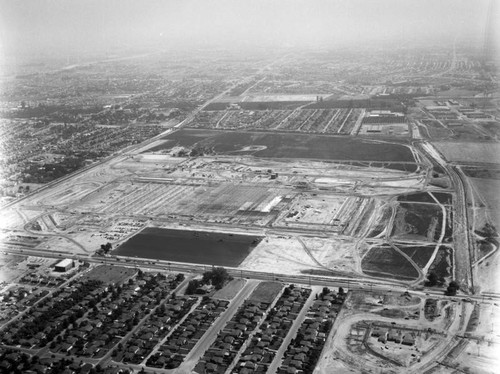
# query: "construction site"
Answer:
x=334 y=212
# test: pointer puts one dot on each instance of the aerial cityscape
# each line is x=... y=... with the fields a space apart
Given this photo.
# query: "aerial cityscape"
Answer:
x=253 y=187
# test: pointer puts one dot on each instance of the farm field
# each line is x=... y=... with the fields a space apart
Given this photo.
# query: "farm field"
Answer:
x=189 y=246
x=283 y=145
x=473 y=152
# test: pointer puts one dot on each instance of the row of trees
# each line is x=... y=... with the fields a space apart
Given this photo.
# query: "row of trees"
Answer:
x=434 y=280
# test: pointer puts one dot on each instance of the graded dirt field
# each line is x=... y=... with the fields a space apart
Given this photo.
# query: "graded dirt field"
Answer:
x=197 y=247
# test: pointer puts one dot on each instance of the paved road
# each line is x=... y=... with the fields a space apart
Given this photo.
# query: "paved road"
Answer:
x=203 y=344
x=293 y=331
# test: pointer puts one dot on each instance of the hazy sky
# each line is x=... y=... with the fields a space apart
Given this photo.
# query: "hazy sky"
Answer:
x=32 y=25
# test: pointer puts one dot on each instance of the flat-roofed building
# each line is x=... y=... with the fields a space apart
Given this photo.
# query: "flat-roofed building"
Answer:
x=64 y=265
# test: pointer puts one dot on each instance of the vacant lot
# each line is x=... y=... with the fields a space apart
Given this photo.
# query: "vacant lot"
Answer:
x=286 y=145
x=386 y=262
x=110 y=274
x=266 y=292
x=230 y=290
x=189 y=246
x=418 y=221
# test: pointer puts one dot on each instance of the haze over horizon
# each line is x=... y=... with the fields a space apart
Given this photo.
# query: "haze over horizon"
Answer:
x=33 y=27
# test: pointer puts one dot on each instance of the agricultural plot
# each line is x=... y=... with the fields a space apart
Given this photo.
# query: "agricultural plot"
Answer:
x=473 y=152
x=189 y=246
x=433 y=129
x=283 y=145
x=386 y=262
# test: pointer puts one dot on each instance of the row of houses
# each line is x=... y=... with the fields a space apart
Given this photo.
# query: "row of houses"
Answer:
x=188 y=333
x=113 y=316
x=154 y=329
x=263 y=346
x=12 y=362
x=222 y=352
x=47 y=319
x=306 y=347
x=399 y=336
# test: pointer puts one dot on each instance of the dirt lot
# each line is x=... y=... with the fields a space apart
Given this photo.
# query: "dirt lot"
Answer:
x=396 y=316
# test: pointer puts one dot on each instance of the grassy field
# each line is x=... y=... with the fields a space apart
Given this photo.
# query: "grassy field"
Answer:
x=420 y=255
x=110 y=274
x=424 y=197
x=473 y=152
x=230 y=290
x=386 y=262
x=266 y=292
x=287 y=145
x=189 y=246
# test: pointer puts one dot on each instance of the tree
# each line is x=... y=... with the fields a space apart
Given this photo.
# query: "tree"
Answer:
x=432 y=279
x=452 y=289
x=341 y=291
x=217 y=277
x=192 y=286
